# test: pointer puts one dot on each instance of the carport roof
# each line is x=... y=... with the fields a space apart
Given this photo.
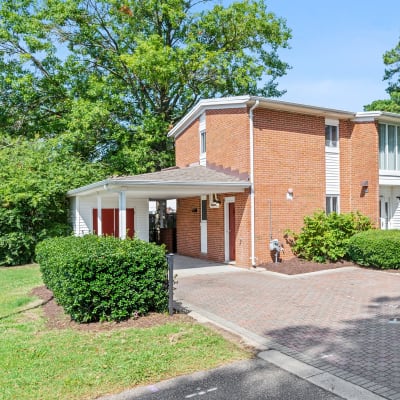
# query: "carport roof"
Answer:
x=169 y=183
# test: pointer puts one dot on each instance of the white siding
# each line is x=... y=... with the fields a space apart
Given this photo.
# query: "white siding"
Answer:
x=82 y=216
x=395 y=221
x=332 y=170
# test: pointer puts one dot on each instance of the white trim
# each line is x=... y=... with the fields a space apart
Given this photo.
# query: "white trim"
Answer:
x=77 y=218
x=389 y=179
x=203 y=227
x=202 y=130
x=122 y=214
x=371 y=116
x=333 y=122
x=99 y=217
x=227 y=200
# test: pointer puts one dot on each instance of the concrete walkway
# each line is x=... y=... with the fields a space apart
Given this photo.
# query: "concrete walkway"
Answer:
x=345 y=323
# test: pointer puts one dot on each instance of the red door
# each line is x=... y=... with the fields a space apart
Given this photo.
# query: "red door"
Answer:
x=110 y=221
x=232 y=232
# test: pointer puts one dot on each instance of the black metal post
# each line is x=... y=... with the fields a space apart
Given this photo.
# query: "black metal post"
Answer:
x=170 y=261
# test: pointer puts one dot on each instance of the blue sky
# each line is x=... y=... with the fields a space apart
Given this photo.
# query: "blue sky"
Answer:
x=336 y=50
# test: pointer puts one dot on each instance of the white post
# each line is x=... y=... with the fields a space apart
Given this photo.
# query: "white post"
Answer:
x=77 y=217
x=122 y=215
x=99 y=217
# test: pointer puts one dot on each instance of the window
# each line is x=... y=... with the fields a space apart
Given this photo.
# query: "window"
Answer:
x=204 y=209
x=331 y=136
x=332 y=204
x=389 y=147
x=203 y=143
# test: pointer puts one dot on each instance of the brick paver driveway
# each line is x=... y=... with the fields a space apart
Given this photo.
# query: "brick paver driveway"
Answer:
x=343 y=321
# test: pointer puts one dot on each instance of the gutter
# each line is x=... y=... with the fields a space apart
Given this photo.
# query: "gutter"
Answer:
x=252 y=200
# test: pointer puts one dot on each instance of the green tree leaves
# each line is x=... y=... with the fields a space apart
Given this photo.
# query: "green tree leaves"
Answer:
x=97 y=69
x=89 y=88
x=391 y=60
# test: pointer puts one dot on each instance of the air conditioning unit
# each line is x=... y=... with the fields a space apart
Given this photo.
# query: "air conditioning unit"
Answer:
x=214 y=201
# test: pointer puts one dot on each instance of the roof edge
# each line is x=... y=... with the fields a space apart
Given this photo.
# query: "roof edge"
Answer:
x=371 y=116
x=206 y=104
x=244 y=101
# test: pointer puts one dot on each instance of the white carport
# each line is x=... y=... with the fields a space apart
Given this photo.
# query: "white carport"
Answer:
x=134 y=192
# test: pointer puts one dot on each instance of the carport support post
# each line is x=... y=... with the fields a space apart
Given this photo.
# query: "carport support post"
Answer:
x=170 y=261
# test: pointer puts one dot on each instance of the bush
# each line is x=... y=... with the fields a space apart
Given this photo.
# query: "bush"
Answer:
x=379 y=249
x=326 y=237
x=104 y=278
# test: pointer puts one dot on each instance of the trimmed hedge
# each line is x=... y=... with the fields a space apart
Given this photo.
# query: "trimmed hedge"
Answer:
x=104 y=278
x=376 y=248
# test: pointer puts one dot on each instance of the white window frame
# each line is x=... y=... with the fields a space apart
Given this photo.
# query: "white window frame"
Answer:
x=396 y=149
x=202 y=140
x=330 y=197
x=331 y=144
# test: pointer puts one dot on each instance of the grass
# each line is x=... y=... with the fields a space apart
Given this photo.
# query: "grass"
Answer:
x=38 y=363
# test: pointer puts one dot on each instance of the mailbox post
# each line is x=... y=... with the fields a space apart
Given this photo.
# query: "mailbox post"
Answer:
x=170 y=261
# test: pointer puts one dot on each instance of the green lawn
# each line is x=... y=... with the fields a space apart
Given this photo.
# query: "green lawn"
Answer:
x=38 y=363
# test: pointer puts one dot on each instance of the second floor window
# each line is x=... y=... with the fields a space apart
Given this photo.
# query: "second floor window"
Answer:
x=203 y=142
x=389 y=147
x=331 y=136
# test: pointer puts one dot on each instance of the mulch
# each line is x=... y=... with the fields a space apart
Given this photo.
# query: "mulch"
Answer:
x=296 y=266
x=57 y=319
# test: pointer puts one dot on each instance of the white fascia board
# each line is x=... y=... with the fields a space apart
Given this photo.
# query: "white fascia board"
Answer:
x=89 y=188
x=371 y=116
x=111 y=185
x=207 y=104
x=302 y=108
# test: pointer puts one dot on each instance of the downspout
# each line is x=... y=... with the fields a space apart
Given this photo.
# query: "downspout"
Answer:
x=252 y=200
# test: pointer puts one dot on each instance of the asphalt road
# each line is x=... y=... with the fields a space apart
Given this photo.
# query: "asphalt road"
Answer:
x=252 y=379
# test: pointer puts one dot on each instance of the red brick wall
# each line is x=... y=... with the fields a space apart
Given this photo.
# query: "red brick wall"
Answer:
x=187 y=146
x=289 y=153
x=365 y=166
x=346 y=162
x=188 y=226
x=228 y=139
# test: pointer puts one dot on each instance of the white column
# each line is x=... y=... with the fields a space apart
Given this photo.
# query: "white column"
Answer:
x=99 y=217
x=77 y=224
x=122 y=215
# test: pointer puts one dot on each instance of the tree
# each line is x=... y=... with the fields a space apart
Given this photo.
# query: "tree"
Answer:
x=112 y=77
x=89 y=88
x=392 y=75
x=35 y=175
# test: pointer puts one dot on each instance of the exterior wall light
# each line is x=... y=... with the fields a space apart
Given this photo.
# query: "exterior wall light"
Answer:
x=289 y=194
x=364 y=186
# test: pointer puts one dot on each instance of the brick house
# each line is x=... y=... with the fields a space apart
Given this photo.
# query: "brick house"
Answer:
x=247 y=169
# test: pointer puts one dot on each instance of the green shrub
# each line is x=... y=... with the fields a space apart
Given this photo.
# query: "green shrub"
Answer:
x=104 y=278
x=326 y=237
x=377 y=248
